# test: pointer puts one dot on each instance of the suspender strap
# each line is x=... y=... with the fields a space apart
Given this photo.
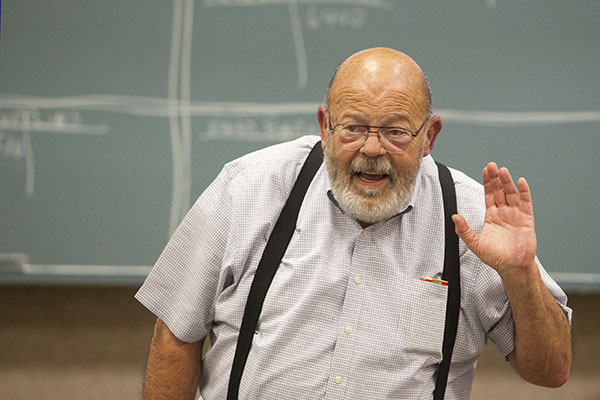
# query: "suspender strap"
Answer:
x=271 y=258
x=452 y=275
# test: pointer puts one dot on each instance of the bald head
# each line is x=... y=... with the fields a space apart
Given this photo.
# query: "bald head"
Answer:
x=377 y=69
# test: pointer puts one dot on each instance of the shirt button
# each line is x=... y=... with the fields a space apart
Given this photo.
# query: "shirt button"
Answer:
x=357 y=280
x=348 y=329
x=338 y=379
x=364 y=232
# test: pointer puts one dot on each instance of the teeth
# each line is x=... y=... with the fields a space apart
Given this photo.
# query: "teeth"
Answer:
x=371 y=177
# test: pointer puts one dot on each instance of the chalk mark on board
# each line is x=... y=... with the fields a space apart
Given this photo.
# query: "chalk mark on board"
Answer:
x=29 y=161
x=174 y=129
x=301 y=61
x=179 y=95
x=52 y=127
x=162 y=107
x=173 y=85
x=186 y=121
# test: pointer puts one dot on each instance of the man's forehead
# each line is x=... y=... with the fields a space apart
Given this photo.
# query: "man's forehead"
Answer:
x=364 y=99
x=379 y=97
x=377 y=93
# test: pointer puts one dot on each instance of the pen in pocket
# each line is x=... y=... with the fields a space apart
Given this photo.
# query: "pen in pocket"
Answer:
x=436 y=281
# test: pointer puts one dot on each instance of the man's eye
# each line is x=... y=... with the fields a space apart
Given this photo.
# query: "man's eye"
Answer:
x=354 y=128
x=396 y=132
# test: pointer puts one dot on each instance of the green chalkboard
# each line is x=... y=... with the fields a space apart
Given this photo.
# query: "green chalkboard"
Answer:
x=115 y=115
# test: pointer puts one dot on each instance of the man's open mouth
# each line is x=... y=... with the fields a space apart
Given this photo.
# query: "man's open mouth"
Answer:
x=371 y=177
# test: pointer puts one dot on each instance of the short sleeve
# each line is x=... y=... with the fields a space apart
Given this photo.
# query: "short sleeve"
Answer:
x=183 y=285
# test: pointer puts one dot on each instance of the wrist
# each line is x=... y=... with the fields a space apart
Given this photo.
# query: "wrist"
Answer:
x=520 y=280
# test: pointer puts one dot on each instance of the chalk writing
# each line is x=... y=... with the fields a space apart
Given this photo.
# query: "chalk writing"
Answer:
x=330 y=18
x=259 y=128
x=11 y=146
x=36 y=120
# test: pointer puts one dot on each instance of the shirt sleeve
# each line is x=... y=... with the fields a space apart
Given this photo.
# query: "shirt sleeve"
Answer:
x=183 y=285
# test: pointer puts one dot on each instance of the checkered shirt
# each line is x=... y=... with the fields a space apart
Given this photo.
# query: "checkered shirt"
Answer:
x=346 y=316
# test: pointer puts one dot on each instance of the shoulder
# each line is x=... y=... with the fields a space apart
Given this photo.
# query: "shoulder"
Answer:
x=470 y=198
x=259 y=176
x=467 y=188
x=267 y=175
x=282 y=154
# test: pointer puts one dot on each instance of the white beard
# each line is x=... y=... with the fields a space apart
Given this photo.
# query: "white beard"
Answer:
x=371 y=205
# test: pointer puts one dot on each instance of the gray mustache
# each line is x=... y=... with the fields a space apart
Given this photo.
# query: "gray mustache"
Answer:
x=378 y=165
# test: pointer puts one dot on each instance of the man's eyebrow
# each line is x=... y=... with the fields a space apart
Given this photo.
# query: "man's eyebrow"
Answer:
x=363 y=119
x=394 y=118
x=360 y=118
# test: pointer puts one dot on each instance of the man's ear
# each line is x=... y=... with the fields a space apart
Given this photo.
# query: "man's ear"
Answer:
x=322 y=119
x=434 y=126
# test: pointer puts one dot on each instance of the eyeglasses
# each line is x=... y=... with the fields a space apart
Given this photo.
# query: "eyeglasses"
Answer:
x=393 y=139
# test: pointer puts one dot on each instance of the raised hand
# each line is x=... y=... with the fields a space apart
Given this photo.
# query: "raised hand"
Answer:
x=507 y=241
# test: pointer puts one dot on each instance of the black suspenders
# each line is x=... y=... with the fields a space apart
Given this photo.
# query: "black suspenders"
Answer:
x=272 y=255
x=277 y=245
x=452 y=275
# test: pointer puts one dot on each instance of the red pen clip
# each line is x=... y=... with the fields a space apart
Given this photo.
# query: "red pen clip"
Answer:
x=436 y=281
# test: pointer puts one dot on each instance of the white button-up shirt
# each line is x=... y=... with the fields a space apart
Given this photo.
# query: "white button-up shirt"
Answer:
x=347 y=315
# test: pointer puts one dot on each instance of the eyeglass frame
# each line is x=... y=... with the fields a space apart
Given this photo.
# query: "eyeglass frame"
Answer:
x=379 y=128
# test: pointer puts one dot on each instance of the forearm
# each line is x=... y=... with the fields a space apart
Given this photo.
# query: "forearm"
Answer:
x=542 y=352
x=174 y=367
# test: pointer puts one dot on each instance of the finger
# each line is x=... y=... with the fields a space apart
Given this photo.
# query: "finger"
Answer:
x=510 y=190
x=497 y=189
x=487 y=189
x=464 y=231
x=526 y=199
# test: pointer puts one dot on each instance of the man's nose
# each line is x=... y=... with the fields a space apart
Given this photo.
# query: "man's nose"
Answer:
x=372 y=146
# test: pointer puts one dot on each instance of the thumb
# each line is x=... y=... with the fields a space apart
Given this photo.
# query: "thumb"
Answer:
x=464 y=231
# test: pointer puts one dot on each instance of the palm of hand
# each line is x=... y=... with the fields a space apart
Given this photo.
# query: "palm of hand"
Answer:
x=507 y=240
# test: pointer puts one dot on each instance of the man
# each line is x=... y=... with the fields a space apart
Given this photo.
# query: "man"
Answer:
x=347 y=314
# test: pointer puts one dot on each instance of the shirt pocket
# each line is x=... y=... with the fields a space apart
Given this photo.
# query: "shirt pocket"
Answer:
x=421 y=326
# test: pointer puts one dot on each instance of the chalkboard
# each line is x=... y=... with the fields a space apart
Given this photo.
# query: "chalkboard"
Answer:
x=115 y=115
